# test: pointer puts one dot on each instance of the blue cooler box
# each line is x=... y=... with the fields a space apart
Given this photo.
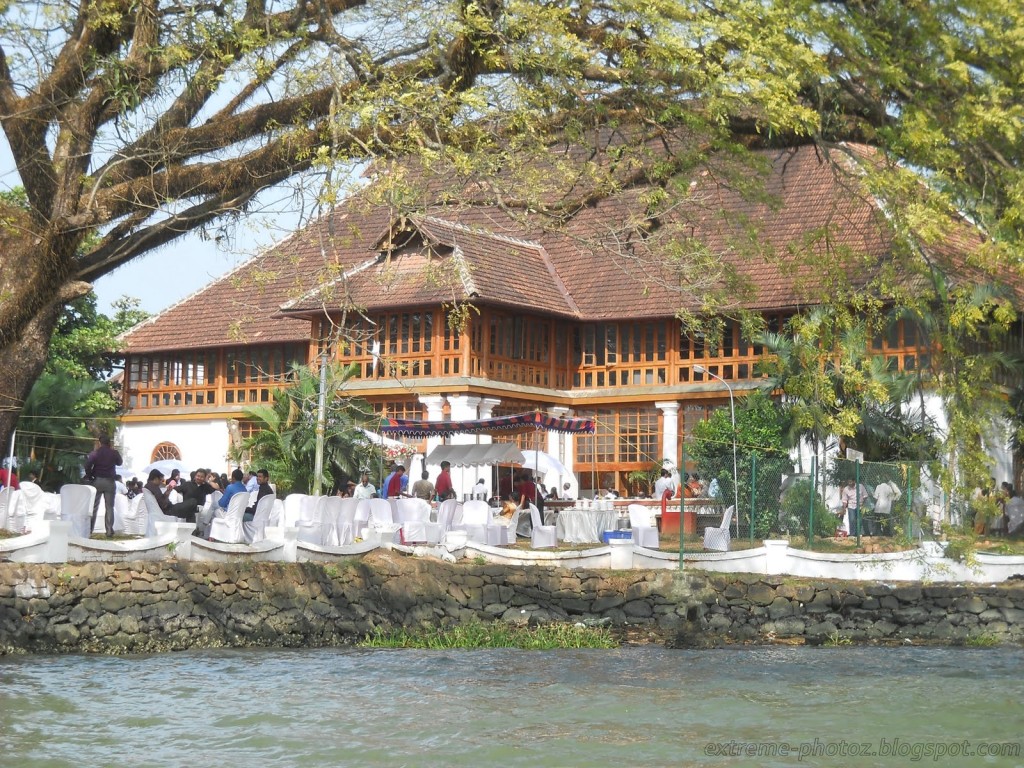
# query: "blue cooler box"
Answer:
x=607 y=536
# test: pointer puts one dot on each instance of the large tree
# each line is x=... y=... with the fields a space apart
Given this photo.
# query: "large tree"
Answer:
x=131 y=123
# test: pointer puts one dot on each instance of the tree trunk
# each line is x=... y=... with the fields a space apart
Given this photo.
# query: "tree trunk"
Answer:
x=21 y=363
x=36 y=281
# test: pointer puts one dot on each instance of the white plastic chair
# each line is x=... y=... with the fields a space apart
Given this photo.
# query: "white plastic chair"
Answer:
x=255 y=530
x=645 y=533
x=227 y=527
x=12 y=518
x=134 y=517
x=543 y=535
x=76 y=505
x=476 y=516
x=718 y=539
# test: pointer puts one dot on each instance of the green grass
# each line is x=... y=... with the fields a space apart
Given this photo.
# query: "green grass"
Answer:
x=984 y=640
x=480 y=635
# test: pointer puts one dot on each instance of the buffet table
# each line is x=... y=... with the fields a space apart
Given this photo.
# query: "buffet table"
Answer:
x=585 y=526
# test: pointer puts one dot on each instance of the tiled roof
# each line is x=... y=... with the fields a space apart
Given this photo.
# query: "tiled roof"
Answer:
x=768 y=249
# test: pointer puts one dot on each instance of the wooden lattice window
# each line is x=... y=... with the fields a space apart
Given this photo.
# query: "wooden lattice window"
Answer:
x=166 y=451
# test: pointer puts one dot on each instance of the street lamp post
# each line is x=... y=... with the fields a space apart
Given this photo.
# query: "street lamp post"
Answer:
x=732 y=413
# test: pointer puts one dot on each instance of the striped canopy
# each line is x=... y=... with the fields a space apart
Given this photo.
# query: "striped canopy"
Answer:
x=521 y=422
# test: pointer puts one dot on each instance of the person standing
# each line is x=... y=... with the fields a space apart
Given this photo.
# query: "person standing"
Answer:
x=664 y=490
x=100 y=466
x=395 y=484
x=443 y=485
x=365 y=489
x=853 y=499
x=423 y=488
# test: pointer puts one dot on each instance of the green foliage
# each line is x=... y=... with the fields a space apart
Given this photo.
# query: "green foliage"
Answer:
x=796 y=512
x=284 y=442
x=498 y=635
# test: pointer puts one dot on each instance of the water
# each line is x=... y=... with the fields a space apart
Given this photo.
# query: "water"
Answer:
x=644 y=706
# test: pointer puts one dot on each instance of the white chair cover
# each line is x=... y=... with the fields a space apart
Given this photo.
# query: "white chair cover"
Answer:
x=135 y=516
x=345 y=526
x=414 y=517
x=276 y=514
x=448 y=512
x=645 y=532
x=35 y=503
x=543 y=535
x=76 y=506
x=255 y=530
x=227 y=527
x=12 y=518
x=154 y=514
x=476 y=516
x=500 y=533
x=314 y=524
x=718 y=539
x=210 y=510
x=381 y=514
x=292 y=509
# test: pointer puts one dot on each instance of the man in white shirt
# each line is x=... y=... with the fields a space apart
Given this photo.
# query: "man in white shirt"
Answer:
x=364 y=490
x=665 y=485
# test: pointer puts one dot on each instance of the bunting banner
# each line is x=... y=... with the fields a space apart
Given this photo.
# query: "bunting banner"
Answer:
x=521 y=422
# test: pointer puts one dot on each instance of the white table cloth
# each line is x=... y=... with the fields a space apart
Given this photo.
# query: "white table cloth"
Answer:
x=583 y=526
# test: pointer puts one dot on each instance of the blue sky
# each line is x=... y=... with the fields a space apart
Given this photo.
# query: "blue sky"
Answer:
x=167 y=275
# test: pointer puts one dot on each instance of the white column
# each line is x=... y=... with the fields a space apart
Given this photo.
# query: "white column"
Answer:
x=463 y=408
x=435 y=412
x=487 y=406
x=670 y=433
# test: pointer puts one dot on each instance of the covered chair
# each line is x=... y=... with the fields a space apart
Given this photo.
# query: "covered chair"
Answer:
x=120 y=509
x=210 y=510
x=645 y=533
x=447 y=512
x=227 y=527
x=414 y=517
x=345 y=525
x=543 y=535
x=501 y=532
x=718 y=539
x=292 y=509
x=476 y=516
x=154 y=514
x=12 y=518
x=134 y=517
x=35 y=503
x=255 y=530
x=315 y=524
x=76 y=502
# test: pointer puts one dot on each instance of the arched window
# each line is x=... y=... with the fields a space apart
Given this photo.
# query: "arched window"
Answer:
x=166 y=451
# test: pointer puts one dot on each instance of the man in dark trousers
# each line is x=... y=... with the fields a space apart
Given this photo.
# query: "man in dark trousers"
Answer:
x=193 y=497
x=99 y=466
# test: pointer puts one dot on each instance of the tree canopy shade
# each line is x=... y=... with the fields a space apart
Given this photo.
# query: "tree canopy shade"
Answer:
x=131 y=123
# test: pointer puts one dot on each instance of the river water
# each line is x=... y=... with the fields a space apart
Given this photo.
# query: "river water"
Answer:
x=636 y=706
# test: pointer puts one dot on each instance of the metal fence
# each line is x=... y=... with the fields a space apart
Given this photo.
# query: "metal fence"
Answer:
x=774 y=499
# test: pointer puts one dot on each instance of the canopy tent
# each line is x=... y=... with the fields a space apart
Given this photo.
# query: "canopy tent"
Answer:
x=521 y=422
x=542 y=462
x=476 y=455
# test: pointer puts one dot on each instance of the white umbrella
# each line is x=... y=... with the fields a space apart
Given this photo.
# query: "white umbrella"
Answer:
x=127 y=473
x=166 y=466
x=542 y=462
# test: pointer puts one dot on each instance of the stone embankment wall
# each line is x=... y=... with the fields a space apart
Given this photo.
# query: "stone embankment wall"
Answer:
x=147 y=606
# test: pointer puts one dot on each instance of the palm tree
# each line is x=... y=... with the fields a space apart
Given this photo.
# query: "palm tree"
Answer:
x=284 y=442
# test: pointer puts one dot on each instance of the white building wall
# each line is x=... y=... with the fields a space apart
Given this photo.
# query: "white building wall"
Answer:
x=203 y=443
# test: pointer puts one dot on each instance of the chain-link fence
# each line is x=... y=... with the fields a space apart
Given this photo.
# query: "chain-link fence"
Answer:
x=772 y=498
